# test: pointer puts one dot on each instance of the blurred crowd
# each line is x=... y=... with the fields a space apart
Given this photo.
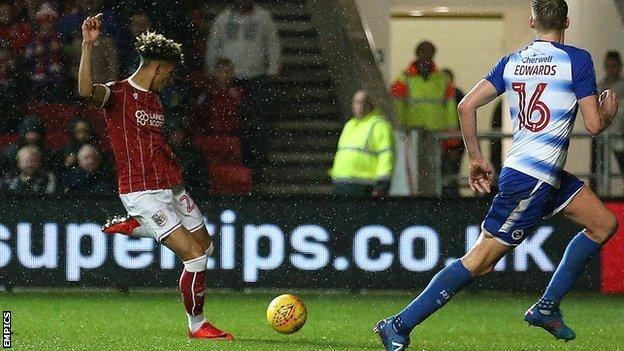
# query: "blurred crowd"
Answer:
x=51 y=143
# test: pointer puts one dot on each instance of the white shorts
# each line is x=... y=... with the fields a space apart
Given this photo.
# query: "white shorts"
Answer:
x=163 y=210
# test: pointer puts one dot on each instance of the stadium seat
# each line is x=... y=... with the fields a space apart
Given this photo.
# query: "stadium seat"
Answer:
x=56 y=140
x=54 y=111
x=55 y=116
x=220 y=124
x=230 y=179
x=7 y=139
x=215 y=123
x=219 y=149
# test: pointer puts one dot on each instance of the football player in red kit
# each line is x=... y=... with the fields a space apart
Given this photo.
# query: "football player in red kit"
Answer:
x=148 y=173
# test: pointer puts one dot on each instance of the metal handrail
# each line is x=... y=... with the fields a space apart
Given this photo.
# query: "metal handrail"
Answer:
x=603 y=176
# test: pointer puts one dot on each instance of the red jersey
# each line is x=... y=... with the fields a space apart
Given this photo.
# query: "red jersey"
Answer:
x=134 y=122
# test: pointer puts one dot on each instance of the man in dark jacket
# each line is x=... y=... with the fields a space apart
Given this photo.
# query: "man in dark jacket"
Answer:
x=31 y=132
x=194 y=169
x=29 y=178
x=88 y=176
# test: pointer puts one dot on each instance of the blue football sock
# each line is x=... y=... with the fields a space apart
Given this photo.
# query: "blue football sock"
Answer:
x=577 y=254
x=439 y=291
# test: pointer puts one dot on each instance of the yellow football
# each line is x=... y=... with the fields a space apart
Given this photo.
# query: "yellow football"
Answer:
x=286 y=314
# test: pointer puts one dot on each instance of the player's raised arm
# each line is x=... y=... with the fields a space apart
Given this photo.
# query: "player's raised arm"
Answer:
x=97 y=94
x=480 y=169
x=598 y=113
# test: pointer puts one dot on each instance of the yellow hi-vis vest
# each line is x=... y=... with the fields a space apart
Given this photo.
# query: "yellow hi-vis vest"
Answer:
x=425 y=103
x=365 y=152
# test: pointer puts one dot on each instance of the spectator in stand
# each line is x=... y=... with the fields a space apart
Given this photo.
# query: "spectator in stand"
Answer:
x=364 y=160
x=80 y=133
x=194 y=168
x=71 y=18
x=88 y=176
x=614 y=81
x=17 y=32
x=27 y=10
x=247 y=36
x=45 y=58
x=452 y=148
x=30 y=176
x=139 y=23
x=201 y=30
x=13 y=85
x=217 y=108
x=424 y=97
x=175 y=96
x=31 y=133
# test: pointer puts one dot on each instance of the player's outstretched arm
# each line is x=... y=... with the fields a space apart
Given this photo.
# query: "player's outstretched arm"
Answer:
x=91 y=28
x=480 y=169
x=598 y=113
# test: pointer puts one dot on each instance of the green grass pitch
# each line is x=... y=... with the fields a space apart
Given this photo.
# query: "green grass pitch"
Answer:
x=336 y=321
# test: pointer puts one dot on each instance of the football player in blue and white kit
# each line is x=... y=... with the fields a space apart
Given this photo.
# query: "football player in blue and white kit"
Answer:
x=546 y=84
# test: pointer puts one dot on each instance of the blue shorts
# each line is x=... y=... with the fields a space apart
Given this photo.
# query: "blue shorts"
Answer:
x=522 y=201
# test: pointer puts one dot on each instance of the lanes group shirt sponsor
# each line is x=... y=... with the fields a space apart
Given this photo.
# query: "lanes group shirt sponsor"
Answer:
x=135 y=127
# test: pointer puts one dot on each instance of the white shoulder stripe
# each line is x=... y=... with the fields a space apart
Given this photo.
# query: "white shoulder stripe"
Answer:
x=108 y=92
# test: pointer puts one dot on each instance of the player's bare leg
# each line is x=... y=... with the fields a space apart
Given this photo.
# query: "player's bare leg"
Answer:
x=600 y=224
x=192 y=283
x=484 y=255
x=204 y=239
x=480 y=260
x=588 y=211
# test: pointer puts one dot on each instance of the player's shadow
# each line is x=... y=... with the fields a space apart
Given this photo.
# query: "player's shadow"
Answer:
x=321 y=345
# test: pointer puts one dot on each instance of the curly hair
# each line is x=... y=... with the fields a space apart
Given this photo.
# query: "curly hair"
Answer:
x=154 y=46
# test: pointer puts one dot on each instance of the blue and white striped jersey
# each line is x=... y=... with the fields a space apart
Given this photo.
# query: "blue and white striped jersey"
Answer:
x=544 y=83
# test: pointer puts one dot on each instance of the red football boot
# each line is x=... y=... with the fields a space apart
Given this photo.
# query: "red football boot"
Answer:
x=120 y=224
x=209 y=331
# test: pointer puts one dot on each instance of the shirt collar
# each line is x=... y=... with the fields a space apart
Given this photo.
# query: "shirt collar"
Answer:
x=135 y=85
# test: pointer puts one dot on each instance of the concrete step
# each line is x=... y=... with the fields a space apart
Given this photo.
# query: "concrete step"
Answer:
x=307 y=46
x=318 y=159
x=299 y=175
x=286 y=116
x=305 y=94
x=297 y=33
x=314 y=107
x=299 y=81
x=294 y=26
x=312 y=125
x=293 y=189
x=307 y=61
x=293 y=76
x=298 y=143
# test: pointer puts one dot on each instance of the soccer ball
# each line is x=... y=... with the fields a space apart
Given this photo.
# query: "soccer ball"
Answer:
x=286 y=314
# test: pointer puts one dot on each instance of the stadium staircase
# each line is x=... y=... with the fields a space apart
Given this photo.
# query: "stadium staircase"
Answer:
x=326 y=56
x=307 y=120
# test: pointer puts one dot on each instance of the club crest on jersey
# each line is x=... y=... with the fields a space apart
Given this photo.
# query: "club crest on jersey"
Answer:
x=517 y=234
x=135 y=95
x=159 y=218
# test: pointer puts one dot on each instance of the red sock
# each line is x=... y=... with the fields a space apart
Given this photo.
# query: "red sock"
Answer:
x=192 y=286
